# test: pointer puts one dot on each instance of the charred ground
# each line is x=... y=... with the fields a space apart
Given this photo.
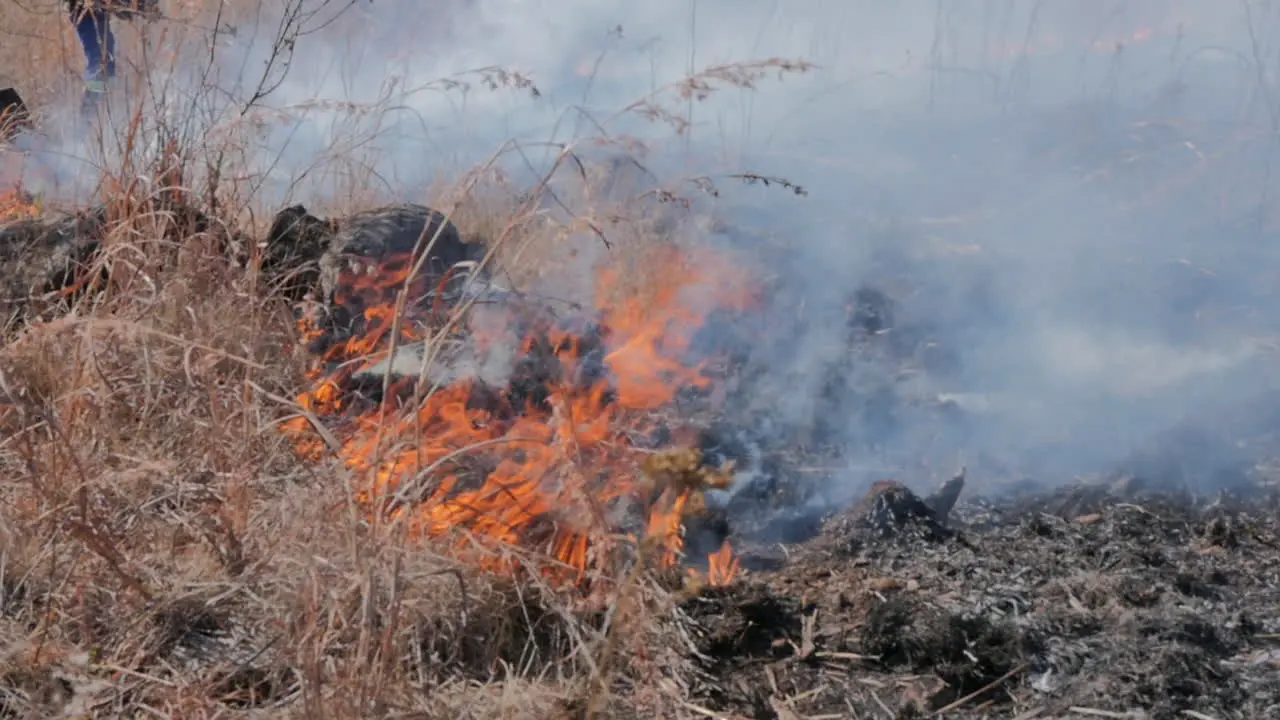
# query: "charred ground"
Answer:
x=1152 y=605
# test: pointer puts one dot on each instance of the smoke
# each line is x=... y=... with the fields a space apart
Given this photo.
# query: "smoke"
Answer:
x=1069 y=203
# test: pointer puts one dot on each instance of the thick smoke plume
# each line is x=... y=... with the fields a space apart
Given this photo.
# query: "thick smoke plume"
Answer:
x=1083 y=299
x=1070 y=203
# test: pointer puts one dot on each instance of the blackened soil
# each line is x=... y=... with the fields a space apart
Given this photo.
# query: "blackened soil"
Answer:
x=1159 y=606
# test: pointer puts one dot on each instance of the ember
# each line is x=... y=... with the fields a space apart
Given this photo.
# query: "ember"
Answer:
x=563 y=458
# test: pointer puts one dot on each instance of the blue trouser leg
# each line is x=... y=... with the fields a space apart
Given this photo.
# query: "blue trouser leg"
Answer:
x=94 y=29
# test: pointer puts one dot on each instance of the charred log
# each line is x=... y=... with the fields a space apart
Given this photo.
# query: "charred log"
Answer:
x=395 y=230
x=54 y=258
x=889 y=510
x=869 y=310
x=944 y=498
x=291 y=257
x=45 y=256
x=307 y=254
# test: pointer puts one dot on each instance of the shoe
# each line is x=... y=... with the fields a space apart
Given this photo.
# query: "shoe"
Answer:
x=95 y=93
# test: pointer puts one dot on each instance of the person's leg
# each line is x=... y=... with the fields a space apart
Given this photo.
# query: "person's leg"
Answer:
x=93 y=26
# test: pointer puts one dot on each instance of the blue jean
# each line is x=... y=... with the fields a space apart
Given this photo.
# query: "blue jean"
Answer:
x=93 y=26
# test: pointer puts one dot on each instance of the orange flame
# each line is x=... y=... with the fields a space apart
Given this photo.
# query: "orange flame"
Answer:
x=559 y=477
x=17 y=205
x=724 y=566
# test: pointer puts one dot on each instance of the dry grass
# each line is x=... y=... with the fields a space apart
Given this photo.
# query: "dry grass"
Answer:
x=164 y=553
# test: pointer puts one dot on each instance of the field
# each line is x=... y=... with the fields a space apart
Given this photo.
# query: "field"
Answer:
x=547 y=450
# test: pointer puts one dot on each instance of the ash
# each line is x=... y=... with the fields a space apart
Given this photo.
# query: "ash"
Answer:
x=1127 y=606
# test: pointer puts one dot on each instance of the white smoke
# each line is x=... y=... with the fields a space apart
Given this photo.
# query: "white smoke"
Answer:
x=1039 y=143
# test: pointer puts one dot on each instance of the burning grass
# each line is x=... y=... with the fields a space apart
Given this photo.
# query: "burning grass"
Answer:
x=480 y=535
x=510 y=544
x=516 y=542
x=16 y=204
x=169 y=547
x=560 y=457
x=164 y=548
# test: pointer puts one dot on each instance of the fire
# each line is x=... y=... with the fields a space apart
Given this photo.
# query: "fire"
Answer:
x=724 y=566
x=562 y=461
x=17 y=205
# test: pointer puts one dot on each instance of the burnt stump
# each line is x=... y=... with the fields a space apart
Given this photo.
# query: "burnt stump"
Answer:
x=306 y=255
x=44 y=256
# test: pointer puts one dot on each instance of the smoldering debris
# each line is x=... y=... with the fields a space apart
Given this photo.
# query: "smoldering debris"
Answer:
x=49 y=261
x=44 y=256
x=1148 y=588
x=1165 y=608
x=305 y=254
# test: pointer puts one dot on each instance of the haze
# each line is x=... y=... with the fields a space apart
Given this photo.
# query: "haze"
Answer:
x=1087 y=185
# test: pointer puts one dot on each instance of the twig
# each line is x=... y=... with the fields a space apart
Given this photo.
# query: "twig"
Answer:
x=325 y=433
x=1098 y=713
x=122 y=670
x=462 y=586
x=704 y=712
x=808 y=625
x=834 y=655
x=985 y=688
x=880 y=702
x=779 y=707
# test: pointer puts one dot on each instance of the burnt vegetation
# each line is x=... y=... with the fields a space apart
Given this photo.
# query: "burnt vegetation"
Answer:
x=199 y=417
x=1131 y=591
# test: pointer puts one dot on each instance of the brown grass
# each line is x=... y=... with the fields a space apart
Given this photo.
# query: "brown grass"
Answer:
x=164 y=554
